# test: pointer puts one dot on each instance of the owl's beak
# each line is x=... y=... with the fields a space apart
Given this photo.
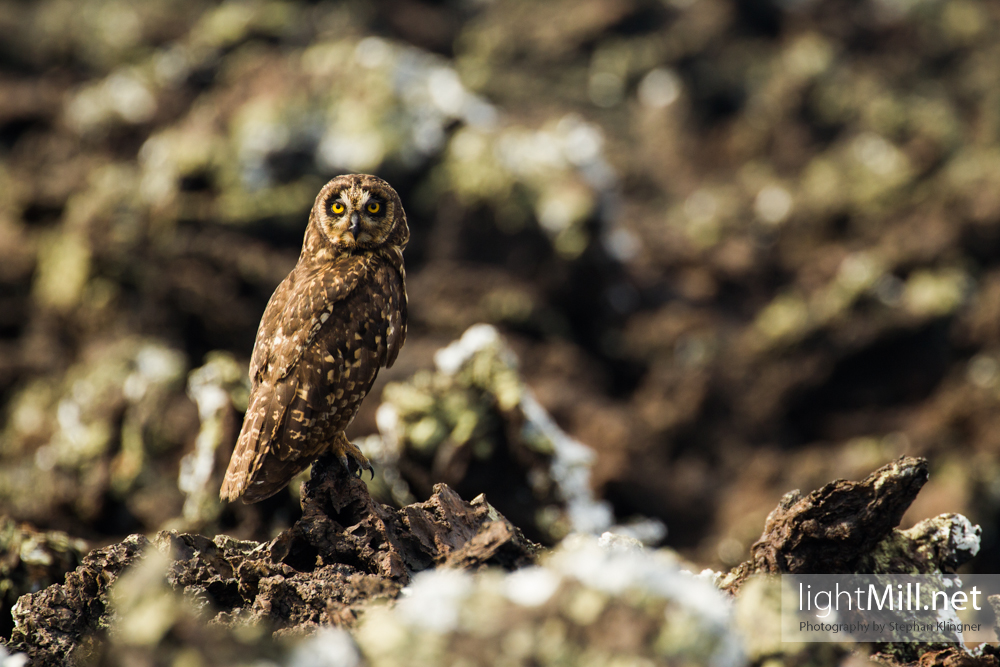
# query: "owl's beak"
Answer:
x=355 y=221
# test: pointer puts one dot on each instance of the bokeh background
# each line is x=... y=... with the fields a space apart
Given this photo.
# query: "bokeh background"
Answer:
x=737 y=247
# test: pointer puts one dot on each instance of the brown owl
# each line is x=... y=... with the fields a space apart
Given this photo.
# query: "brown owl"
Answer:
x=338 y=317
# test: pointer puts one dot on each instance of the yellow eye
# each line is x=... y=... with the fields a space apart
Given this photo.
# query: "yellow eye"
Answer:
x=337 y=207
x=374 y=207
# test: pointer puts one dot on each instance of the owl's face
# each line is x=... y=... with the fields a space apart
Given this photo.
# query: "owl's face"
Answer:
x=360 y=212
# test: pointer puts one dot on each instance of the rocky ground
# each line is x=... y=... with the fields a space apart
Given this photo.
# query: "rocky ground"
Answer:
x=357 y=582
x=328 y=590
x=726 y=249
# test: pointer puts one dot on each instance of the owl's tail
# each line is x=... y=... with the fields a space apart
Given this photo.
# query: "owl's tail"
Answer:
x=264 y=414
x=271 y=448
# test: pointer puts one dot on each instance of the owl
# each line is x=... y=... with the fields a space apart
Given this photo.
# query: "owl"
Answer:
x=331 y=324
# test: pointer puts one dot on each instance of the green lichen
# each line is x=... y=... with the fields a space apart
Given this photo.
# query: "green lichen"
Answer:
x=220 y=389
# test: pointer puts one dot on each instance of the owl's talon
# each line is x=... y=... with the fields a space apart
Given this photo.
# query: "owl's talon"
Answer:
x=351 y=458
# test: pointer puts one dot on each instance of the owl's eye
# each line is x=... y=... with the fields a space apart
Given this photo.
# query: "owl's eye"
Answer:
x=374 y=207
x=337 y=207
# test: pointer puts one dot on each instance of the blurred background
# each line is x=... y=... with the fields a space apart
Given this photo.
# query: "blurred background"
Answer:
x=734 y=247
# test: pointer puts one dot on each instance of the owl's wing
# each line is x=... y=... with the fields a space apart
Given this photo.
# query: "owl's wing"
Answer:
x=392 y=278
x=341 y=362
x=297 y=310
x=309 y=382
x=294 y=315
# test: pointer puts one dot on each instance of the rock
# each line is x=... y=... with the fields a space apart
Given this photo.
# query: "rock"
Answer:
x=474 y=423
x=447 y=580
x=98 y=438
x=55 y=625
x=836 y=528
x=341 y=523
x=953 y=657
x=345 y=550
x=844 y=528
x=583 y=604
x=219 y=388
x=31 y=560
x=850 y=527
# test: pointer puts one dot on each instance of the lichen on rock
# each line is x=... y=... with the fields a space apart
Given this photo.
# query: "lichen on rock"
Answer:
x=97 y=435
x=474 y=419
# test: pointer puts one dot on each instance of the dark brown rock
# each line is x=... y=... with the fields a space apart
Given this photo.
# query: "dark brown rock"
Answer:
x=341 y=523
x=50 y=625
x=346 y=549
x=954 y=657
x=850 y=527
x=831 y=530
x=30 y=560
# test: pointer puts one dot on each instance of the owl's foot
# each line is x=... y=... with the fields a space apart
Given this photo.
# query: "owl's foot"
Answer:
x=350 y=457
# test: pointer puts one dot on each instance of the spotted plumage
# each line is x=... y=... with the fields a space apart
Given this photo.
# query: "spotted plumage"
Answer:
x=338 y=317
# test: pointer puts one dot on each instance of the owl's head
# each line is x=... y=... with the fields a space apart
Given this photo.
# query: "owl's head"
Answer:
x=358 y=212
